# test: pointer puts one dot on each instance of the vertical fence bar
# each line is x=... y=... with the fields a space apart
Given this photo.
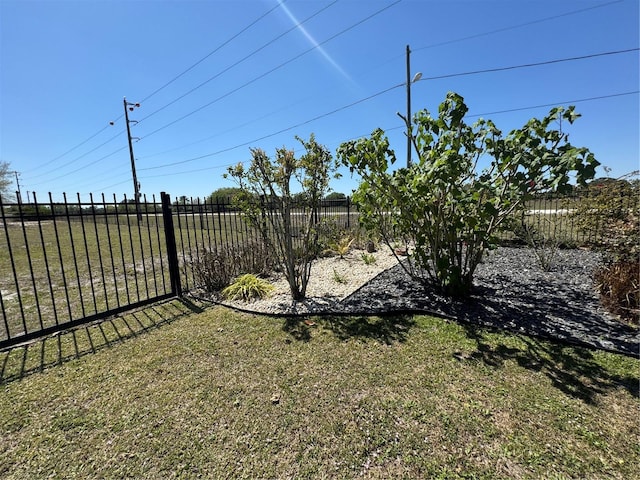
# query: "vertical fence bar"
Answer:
x=160 y=255
x=45 y=258
x=138 y=227
x=220 y=214
x=121 y=243
x=172 y=252
x=75 y=256
x=111 y=255
x=182 y=244
x=98 y=246
x=15 y=275
x=194 y=233
x=88 y=258
x=153 y=261
x=207 y=211
x=133 y=254
x=60 y=257
x=27 y=248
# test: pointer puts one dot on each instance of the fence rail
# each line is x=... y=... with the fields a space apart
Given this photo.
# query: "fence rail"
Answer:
x=67 y=263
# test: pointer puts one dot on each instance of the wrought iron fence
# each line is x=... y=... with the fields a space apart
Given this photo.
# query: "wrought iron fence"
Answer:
x=67 y=263
x=72 y=262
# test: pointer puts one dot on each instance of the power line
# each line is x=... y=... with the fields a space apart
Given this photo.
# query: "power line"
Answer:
x=219 y=47
x=580 y=100
x=239 y=61
x=81 y=157
x=159 y=89
x=527 y=65
x=276 y=133
x=84 y=166
x=70 y=150
x=381 y=93
x=513 y=27
x=272 y=70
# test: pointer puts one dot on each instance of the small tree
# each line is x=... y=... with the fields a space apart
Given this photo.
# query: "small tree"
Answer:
x=444 y=209
x=5 y=179
x=267 y=200
x=223 y=194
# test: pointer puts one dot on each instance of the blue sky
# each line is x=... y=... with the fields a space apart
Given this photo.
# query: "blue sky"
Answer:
x=215 y=78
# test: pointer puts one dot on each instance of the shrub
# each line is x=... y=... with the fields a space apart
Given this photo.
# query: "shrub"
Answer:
x=619 y=287
x=247 y=287
x=609 y=213
x=341 y=246
x=442 y=208
x=287 y=221
x=215 y=268
x=339 y=278
x=545 y=246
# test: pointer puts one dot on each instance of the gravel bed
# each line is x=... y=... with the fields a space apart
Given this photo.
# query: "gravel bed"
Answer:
x=511 y=292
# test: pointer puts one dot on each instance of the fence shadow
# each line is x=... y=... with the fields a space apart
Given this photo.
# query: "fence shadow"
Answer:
x=572 y=370
x=387 y=329
x=23 y=360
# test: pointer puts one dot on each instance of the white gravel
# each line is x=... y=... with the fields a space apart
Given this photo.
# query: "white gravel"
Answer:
x=510 y=292
x=332 y=279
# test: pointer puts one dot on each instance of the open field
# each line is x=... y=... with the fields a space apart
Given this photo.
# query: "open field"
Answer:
x=55 y=271
x=172 y=392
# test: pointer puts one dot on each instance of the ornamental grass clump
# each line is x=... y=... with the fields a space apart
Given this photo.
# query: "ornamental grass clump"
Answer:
x=341 y=246
x=247 y=287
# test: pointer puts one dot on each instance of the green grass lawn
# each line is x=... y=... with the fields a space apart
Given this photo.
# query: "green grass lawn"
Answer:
x=170 y=392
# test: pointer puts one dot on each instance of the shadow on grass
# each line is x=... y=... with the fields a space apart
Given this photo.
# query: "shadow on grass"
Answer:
x=572 y=370
x=23 y=360
x=385 y=329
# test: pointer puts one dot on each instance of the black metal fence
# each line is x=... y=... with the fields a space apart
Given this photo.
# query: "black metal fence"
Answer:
x=67 y=263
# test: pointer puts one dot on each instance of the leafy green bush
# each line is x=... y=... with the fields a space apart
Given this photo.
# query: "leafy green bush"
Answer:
x=443 y=208
x=247 y=287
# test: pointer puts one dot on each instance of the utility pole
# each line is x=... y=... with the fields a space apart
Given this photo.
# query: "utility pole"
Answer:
x=18 y=193
x=416 y=77
x=136 y=186
x=409 y=128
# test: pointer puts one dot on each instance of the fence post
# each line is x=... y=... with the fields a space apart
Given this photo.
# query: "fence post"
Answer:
x=172 y=250
x=348 y=212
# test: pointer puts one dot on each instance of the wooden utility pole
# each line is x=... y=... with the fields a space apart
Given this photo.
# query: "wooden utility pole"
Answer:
x=136 y=185
x=18 y=193
x=409 y=128
x=410 y=80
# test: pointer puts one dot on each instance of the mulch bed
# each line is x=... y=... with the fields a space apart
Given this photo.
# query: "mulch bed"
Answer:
x=511 y=292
